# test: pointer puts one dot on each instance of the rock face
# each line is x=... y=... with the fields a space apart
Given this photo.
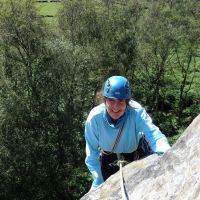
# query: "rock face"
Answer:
x=173 y=176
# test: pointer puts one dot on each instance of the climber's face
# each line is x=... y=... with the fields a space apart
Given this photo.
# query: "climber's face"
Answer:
x=115 y=107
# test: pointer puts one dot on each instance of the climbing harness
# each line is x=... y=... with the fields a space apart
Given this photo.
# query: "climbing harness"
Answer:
x=121 y=162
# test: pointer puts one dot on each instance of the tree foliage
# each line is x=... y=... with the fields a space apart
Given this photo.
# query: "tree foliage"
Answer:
x=49 y=81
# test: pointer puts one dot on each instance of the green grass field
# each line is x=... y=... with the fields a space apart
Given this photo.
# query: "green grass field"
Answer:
x=48 y=8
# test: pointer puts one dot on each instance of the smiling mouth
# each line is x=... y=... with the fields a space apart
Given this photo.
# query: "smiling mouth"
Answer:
x=116 y=111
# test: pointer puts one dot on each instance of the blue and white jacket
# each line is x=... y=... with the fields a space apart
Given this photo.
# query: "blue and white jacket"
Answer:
x=100 y=133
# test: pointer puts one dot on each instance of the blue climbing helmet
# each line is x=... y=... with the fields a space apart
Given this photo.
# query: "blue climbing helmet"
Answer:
x=117 y=87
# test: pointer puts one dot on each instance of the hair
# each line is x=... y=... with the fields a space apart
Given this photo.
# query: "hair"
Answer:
x=99 y=98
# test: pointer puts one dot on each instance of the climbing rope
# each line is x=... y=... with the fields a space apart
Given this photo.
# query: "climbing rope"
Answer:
x=120 y=163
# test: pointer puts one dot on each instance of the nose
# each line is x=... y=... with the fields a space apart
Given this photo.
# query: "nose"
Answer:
x=116 y=103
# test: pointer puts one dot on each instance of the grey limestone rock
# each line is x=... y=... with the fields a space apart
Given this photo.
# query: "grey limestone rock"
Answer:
x=172 y=176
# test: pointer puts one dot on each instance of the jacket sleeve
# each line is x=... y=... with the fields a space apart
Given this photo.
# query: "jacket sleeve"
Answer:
x=157 y=141
x=92 y=153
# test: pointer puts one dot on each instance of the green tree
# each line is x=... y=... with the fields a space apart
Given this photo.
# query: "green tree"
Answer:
x=155 y=43
x=185 y=63
x=41 y=109
x=168 y=42
x=78 y=21
x=106 y=31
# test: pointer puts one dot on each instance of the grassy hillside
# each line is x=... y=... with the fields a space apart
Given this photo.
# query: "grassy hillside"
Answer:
x=48 y=9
